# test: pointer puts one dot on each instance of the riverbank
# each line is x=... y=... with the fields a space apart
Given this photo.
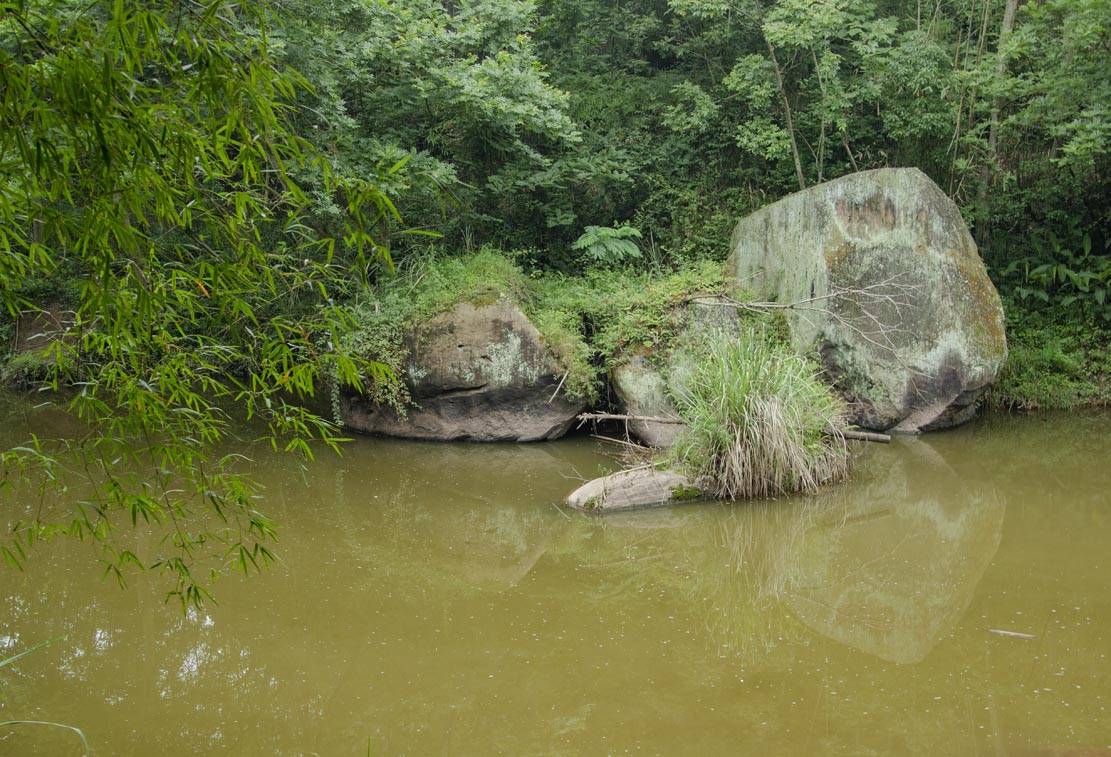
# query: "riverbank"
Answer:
x=1058 y=359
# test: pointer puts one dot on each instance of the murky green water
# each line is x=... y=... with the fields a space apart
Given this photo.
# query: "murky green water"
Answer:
x=434 y=600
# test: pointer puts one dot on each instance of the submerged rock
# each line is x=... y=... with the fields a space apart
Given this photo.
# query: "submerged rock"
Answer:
x=634 y=489
x=476 y=372
x=897 y=300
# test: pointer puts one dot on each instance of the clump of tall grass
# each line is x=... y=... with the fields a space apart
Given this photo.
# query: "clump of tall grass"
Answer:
x=760 y=421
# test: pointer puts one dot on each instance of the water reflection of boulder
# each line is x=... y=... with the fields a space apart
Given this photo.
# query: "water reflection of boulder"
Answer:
x=892 y=568
x=886 y=563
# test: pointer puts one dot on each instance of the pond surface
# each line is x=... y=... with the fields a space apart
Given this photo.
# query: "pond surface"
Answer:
x=433 y=599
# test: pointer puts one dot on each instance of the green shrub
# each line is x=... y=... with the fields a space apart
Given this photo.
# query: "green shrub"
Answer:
x=760 y=420
x=25 y=370
x=1057 y=359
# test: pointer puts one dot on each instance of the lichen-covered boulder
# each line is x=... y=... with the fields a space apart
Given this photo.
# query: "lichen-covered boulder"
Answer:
x=641 y=383
x=893 y=294
x=478 y=373
x=634 y=489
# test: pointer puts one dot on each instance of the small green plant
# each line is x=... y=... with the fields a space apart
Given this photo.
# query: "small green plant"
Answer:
x=1059 y=273
x=608 y=246
x=760 y=421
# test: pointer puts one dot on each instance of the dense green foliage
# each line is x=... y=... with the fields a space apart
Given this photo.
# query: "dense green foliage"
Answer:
x=1057 y=360
x=530 y=126
x=666 y=121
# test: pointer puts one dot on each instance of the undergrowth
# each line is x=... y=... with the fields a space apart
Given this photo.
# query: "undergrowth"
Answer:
x=586 y=322
x=1056 y=360
x=761 y=422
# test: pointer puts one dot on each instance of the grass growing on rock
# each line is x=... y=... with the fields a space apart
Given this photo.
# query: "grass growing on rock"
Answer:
x=586 y=322
x=760 y=420
x=421 y=289
x=630 y=312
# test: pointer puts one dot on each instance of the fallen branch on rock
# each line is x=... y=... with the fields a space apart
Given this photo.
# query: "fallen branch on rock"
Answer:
x=583 y=417
x=861 y=436
x=866 y=436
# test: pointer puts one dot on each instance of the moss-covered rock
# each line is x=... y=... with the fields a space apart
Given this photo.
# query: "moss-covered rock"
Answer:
x=477 y=372
x=896 y=299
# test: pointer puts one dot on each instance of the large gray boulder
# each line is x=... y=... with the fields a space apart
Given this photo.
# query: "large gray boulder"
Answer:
x=478 y=373
x=894 y=295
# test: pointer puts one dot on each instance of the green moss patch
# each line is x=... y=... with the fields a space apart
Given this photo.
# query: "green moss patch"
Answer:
x=685 y=493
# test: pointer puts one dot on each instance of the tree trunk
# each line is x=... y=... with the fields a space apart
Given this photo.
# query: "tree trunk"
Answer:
x=787 y=115
x=987 y=171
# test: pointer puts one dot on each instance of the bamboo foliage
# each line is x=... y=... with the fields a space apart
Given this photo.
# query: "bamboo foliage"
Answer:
x=146 y=153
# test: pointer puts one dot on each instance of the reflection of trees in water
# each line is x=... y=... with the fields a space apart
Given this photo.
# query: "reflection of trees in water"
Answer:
x=886 y=563
x=439 y=518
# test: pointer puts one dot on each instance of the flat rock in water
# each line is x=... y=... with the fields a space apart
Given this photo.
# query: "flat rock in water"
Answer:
x=477 y=373
x=896 y=298
x=634 y=489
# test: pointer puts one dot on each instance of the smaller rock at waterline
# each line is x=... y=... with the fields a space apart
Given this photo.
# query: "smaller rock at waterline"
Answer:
x=633 y=489
x=641 y=384
x=642 y=389
x=479 y=372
